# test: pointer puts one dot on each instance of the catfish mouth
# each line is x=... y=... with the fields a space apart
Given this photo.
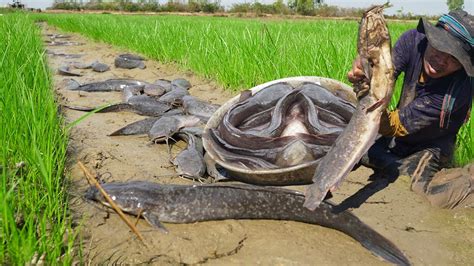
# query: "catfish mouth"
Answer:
x=294 y=121
x=92 y=193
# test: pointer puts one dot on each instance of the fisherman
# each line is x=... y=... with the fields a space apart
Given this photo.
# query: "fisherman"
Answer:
x=418 y=138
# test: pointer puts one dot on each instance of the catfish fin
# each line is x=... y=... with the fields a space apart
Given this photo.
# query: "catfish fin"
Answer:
x=135 y=128
x=111 y=108
x=154 y=221
x=244 y=95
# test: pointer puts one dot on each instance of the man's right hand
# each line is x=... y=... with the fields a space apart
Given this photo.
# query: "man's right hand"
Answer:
x=356 y=74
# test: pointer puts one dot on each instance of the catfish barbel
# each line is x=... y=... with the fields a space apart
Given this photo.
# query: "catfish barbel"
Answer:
x=374 y=50
x=195 y=203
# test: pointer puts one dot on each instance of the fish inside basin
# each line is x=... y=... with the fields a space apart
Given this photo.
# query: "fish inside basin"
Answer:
x=276 y=133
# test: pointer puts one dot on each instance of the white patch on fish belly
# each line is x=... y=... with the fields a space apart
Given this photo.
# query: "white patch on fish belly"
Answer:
x=293 y=128
x=295 y=153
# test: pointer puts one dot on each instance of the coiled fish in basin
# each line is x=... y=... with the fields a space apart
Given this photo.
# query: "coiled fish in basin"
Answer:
x=277 y=132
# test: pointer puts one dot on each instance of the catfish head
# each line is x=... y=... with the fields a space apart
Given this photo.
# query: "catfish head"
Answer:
x=374 y=49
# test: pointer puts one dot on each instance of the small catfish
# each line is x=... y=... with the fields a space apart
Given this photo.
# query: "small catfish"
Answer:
x=66 y=71
x=139 y=104
x=165 y=127
x=65 y=43
x=100 y=67
x=129 y=62
x=143 y=126
x=215 y=171
x=175 y=96
x=95 y=66
x=154 y=90
x=67 y=56
x=164 y=83
x=190 y=161
x=180 y=82
x=58 y=36
x=201 y=109
x=132 y=57
x=107 y=85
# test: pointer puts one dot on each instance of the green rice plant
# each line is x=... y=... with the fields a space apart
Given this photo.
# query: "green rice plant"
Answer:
x=33 y=200
x=465 y=143
x=238 y=53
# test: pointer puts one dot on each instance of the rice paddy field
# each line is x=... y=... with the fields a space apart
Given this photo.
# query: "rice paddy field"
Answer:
x=236 y=53
x=33 y=200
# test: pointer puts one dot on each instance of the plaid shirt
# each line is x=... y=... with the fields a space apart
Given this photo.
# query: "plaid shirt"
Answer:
x=421 y=105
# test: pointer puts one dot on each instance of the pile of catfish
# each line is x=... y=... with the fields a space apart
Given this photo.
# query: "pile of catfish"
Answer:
x=172 y=114
x=280 y=126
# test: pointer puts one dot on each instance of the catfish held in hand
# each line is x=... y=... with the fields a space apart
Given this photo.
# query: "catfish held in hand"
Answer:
x=188 y=204
x=375 y=53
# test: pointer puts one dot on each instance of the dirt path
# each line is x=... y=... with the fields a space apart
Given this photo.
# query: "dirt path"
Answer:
x=425 y=234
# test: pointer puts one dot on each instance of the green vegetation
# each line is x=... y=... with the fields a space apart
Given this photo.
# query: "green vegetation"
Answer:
x=465 y=143
x=238 y=53
x=33 y=200
x=455 y=4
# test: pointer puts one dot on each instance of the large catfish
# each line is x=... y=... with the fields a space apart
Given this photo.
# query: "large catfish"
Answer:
x=374 y=50
x=195 y=203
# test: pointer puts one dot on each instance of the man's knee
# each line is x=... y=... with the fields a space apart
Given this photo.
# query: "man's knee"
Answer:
x=451 y=188
x=420 y=166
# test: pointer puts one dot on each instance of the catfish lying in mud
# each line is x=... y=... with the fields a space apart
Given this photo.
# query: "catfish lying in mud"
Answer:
x=190 y=161
x=134 y=101
x=95 y=66
x=375 y=52
x=129 y=61
x=51 y=53
x=201 y=109
x=65 y=43
x=165 y=127
x=140 y=104
x=143 y=126
x=58 y=36
x=188 y=204
x=180 y=82
x=174 y=96
x=66 y=71
x=107 y=85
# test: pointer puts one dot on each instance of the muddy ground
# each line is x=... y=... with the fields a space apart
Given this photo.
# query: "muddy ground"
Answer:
x=427 y=235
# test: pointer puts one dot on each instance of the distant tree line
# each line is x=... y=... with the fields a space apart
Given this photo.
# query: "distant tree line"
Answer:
x=292 y=7
x=140 y=5
x=455 y=4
